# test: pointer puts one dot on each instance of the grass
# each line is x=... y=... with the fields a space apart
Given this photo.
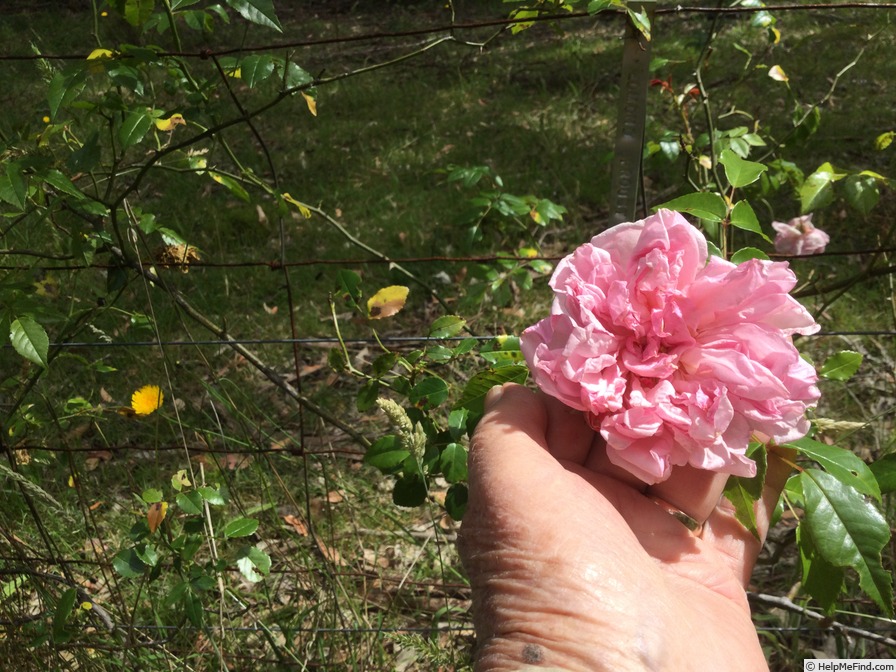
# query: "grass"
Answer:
x=357 y=583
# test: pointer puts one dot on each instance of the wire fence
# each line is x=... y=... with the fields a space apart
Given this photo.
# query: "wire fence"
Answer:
x=320 y=620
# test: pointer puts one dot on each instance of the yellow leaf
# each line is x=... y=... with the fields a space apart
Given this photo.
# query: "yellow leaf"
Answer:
x=884 y=140
x=311 y=103
x=777 y=73
x=306 y=213
x=156 y=515
x=776 y=34
x=94 y=58
x=387 y=302
x=148 y=399
x=705 y=161
x=99 y=53
x=180 y=480
x=169 y=123
x=236 y=74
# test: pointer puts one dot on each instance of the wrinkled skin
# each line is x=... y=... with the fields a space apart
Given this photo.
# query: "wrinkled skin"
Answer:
x=574 y=566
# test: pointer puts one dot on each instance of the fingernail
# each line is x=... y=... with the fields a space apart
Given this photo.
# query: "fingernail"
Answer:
x=493 y=396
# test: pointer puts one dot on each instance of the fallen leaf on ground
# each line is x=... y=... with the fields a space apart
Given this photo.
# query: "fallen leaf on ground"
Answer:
x=330 y=554
x=297 y=524
x=95 y=457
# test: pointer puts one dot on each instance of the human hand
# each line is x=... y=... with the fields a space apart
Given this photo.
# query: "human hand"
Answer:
x=575 y=565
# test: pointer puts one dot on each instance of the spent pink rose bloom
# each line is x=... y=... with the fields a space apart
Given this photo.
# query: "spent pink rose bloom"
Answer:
x=799 y=237
x=675 y=357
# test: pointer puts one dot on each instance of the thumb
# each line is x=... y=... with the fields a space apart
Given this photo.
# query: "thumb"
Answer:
x=508 y=447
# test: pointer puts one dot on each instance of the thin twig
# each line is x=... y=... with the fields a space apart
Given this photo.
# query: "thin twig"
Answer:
x=789 y=605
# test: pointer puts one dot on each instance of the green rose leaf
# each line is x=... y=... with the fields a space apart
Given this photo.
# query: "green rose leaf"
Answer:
x=409 y=490
x=447 y=326
x=213 y=496
x=884 y=471
x=848 y=532
x=822 y=580
x=473 y=396
x=256 y=69
x=350 y=284
x=136 y=12
x=295 y=76
x=65 y=88
x=260 y=12
x=453 y=463
x=744 y=492
x=63 y=610
x=457 y=422
x=128 y=564
x=252 y=560
x=189 y=502
x=386 y=454
x=456 y=500
x=240 y=527
x=862 y=192
x=13 y=188
x=817 y=191
x=841 y=366
x=747 y=253
x=59 y=181
x=151 y=495
x=134 y=128
x=30 y=340
x=841 y=464
x=740 y=172
x=231 y=185
x=429 y=392
x=367 y=395
x=711 y=207
x=743 y=217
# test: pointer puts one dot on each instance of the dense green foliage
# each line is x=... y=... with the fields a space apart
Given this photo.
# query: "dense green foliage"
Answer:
x=321 y=254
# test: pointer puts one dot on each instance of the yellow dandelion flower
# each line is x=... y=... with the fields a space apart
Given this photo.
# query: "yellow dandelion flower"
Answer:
x=148 y=399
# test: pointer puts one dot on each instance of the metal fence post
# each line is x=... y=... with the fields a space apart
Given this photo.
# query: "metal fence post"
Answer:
x=630 y=119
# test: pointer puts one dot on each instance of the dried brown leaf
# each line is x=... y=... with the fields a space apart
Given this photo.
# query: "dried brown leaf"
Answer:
x=297 y=524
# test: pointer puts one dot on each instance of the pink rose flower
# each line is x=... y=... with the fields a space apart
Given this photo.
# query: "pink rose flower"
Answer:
x=675 y=359
x=799 y=237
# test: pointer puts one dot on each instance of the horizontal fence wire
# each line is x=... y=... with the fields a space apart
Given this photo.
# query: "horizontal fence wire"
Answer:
x=206 y=54
x=280 y=264
x=333 y=341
